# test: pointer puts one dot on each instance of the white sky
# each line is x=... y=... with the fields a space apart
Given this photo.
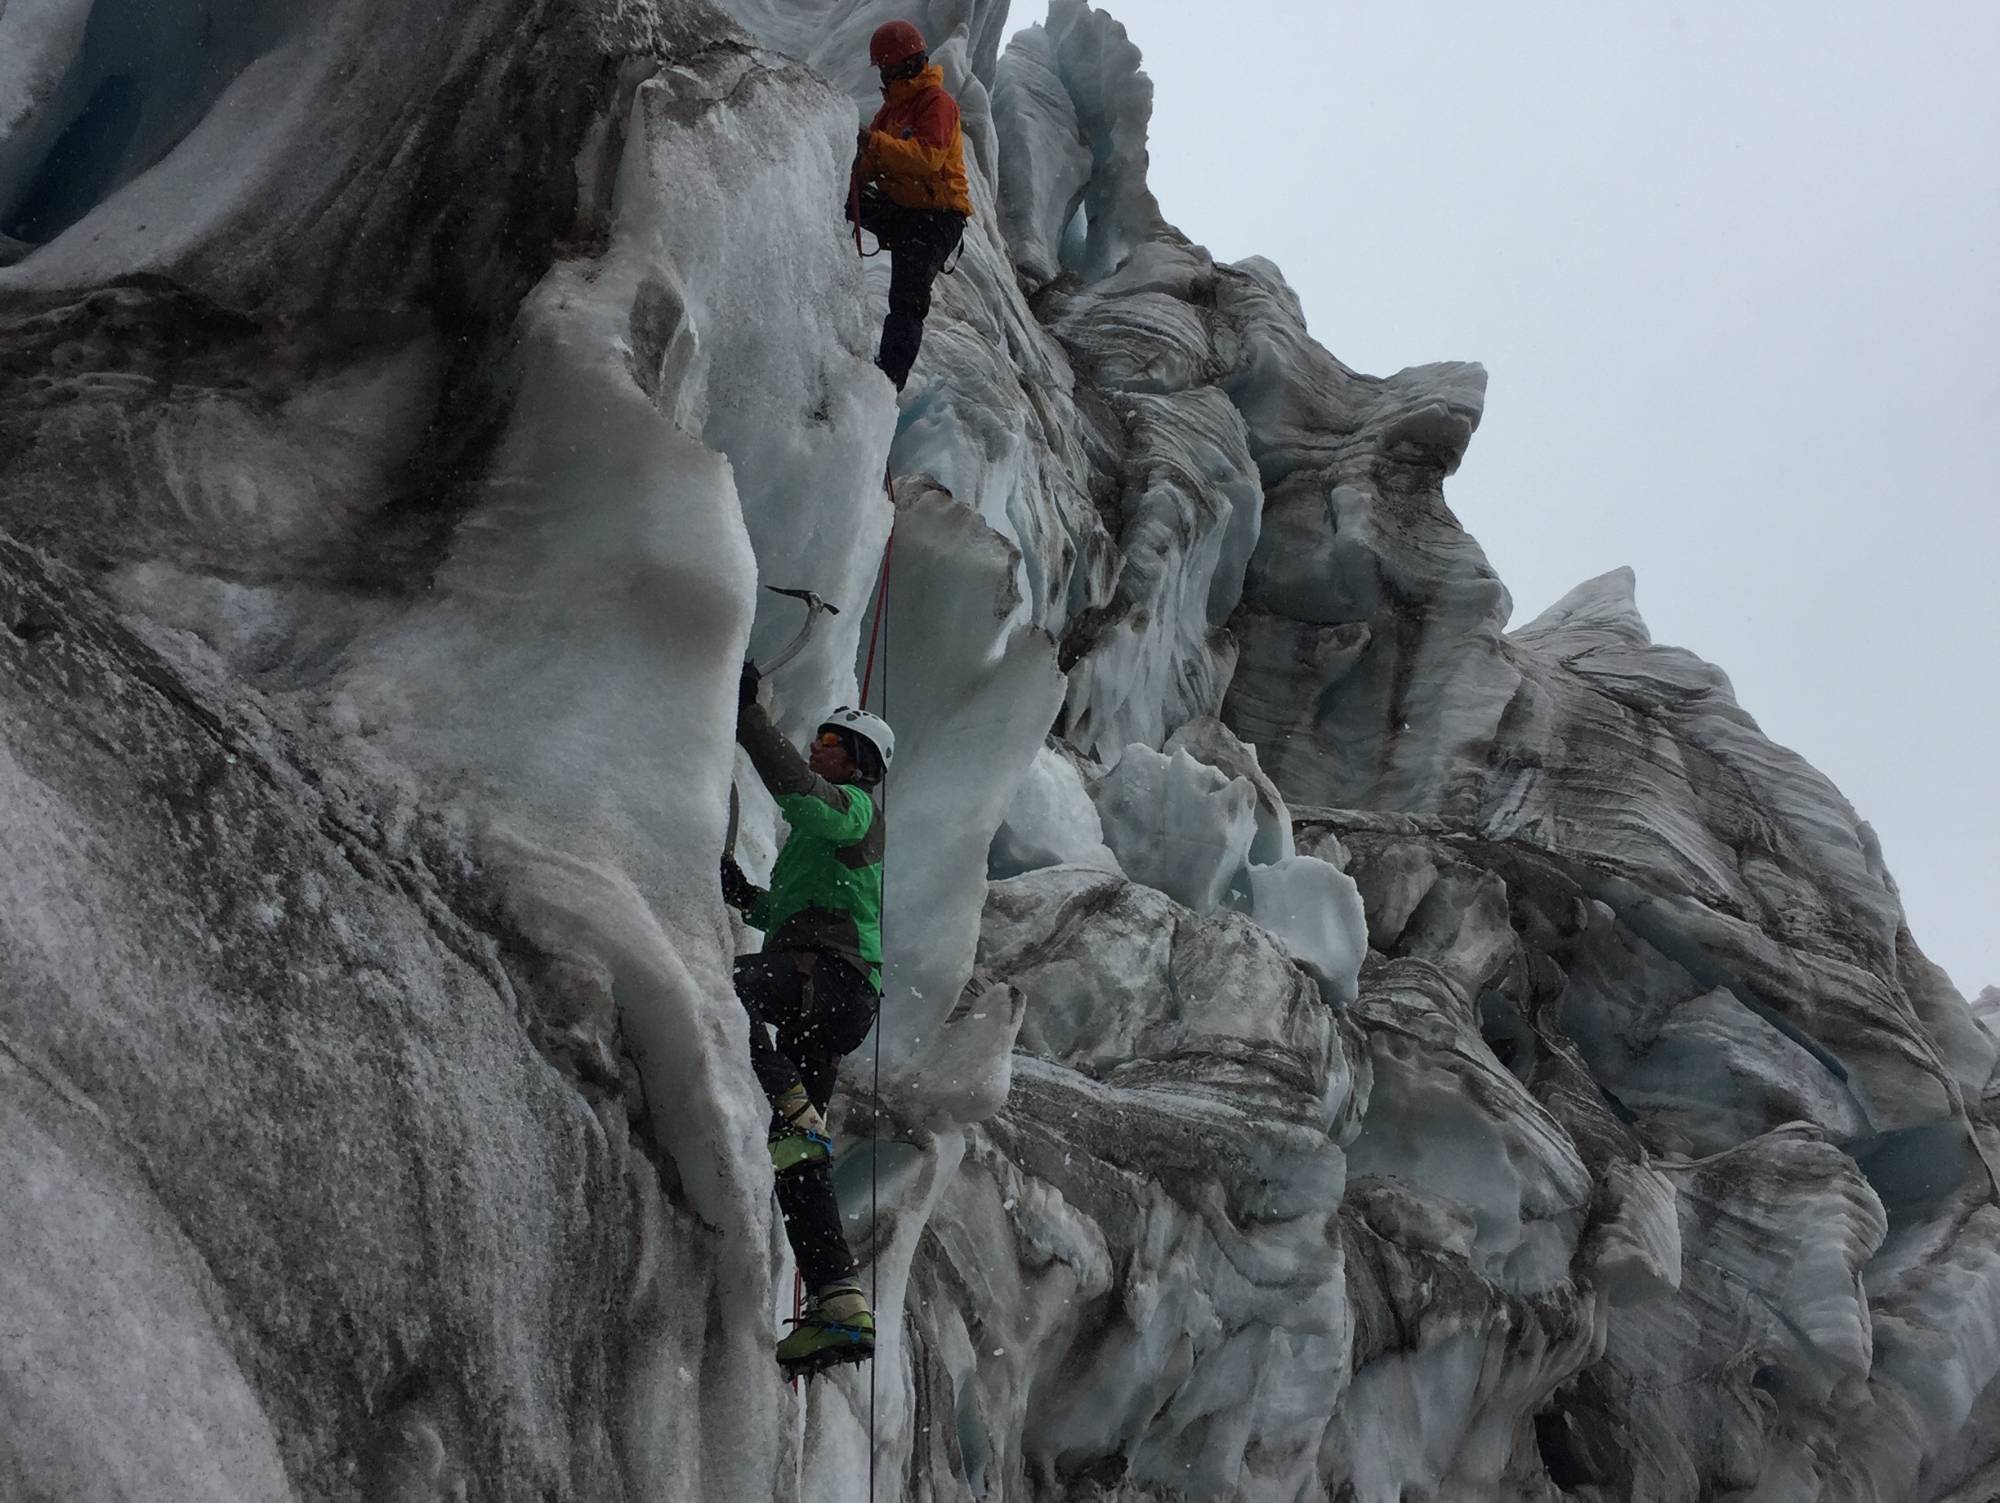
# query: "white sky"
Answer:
x=1734 y=270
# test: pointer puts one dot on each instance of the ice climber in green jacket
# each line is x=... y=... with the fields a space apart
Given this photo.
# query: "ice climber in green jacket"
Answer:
x=816 y=984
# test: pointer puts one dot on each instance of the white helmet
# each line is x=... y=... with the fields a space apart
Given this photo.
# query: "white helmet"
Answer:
x=870 y=728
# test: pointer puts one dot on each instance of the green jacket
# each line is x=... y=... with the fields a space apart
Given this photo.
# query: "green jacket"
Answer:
x=826 y=887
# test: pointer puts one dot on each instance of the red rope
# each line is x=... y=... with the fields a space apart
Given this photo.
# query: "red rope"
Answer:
x=881 y=594
x=798 y=1312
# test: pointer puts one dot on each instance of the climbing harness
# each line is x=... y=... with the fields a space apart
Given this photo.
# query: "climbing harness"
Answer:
x=854 y=214
x=950 y=266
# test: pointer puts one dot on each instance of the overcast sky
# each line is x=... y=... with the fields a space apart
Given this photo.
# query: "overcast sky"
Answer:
x=1734 y=270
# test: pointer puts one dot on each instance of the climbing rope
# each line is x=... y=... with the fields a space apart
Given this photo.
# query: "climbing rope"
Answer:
x=854 y=214
x=875 y=627
x=877 y=631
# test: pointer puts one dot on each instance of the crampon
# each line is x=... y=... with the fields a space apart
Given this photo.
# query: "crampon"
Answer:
x=817 y=1343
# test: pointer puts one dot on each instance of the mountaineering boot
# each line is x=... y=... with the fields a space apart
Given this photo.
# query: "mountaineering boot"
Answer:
x=839 y=1328
x=798 y=1132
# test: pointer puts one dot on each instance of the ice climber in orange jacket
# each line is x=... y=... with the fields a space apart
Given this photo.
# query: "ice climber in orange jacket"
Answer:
x=910 y=170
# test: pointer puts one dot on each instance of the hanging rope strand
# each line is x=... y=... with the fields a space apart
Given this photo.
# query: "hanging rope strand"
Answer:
x=875 y=631
x=875 y=626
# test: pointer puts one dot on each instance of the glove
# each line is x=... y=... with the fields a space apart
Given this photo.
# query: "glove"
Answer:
x=747 y=686
x=738 y=891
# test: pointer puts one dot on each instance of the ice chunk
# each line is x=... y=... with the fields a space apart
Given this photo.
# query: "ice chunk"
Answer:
x=1114 y=970
x=1189 y=509
x=1191 y=828
x=1635 y=1252
x=1099 y=69
x=1314 y=908
x=1208 y=740
x=1051 y=822
x=1044 y=155
x=1446 y=1118
x=1178 y=824
x=1716 y=1074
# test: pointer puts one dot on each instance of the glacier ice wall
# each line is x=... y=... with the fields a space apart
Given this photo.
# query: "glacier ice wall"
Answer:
x=1335 y=1047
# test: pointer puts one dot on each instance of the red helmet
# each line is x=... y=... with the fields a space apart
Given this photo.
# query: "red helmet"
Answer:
x=894 y=42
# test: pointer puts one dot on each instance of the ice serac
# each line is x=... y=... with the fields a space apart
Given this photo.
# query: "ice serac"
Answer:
x=1159 y=1181
x=1334 y=1047
x=412 y=467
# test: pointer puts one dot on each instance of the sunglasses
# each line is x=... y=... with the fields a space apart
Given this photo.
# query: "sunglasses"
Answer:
x=830 y=738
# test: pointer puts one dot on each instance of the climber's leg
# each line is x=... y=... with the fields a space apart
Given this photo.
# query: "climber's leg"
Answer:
x=812 y=1222
x=918 y=260
x=909 y=304
x=775 y=989
x=768 y=986
x=778 y=986
x=774 y=992
x=839 y=1326
x=897 y=231
x=818 y=1038
x=919 y=242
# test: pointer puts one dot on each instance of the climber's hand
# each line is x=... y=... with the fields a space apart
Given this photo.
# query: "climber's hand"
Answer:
x=738 y=891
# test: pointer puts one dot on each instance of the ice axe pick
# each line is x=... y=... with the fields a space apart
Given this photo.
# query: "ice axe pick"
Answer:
x=815 y=608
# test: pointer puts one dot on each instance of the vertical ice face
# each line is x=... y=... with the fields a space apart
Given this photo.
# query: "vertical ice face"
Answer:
x=470 y=532
x=1333 y=1047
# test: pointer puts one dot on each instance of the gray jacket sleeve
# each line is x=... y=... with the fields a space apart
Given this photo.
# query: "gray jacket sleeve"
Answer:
x=778 y=762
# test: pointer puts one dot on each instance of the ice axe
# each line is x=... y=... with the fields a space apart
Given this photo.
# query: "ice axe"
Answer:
x=815 y=608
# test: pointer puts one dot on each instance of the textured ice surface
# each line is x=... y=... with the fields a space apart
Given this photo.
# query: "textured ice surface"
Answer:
x=1178 y=824
x=1333 y=1048
x=1051 y=822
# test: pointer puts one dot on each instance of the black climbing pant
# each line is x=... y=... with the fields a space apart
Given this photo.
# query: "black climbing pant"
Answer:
x=821 y=1012
x=919 y=242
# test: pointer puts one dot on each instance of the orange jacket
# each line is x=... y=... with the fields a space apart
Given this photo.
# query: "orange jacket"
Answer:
x=915 y=147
